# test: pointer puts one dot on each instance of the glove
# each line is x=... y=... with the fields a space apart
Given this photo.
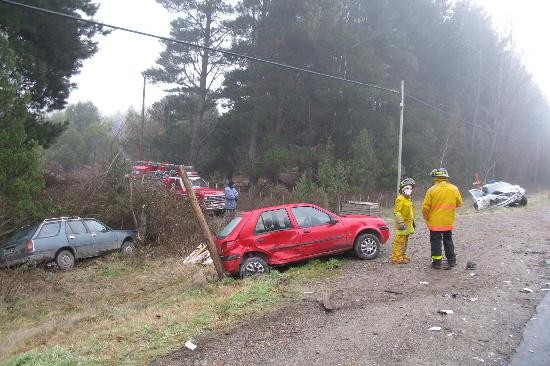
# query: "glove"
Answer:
x=401 y=226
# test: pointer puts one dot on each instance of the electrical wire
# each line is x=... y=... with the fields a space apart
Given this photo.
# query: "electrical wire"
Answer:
x=189 y=44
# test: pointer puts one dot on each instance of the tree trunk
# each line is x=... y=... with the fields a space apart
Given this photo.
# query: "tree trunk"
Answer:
x=201 y=93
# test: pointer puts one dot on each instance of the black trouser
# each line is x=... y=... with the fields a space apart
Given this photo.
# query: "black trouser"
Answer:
x=436 y=237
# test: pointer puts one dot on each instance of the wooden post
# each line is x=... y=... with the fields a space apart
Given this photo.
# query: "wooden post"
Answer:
x=402 y=105
x=202 y=222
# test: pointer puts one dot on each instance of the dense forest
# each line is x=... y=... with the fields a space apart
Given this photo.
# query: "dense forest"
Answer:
x=470 y=104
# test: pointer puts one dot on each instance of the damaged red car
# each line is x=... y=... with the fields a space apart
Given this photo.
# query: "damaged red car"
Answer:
x=256 y=240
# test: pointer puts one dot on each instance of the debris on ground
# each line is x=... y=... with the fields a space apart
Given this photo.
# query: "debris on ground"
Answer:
x=470 y=265
x=479 y=359
x=393 y=292
x=526 y=290
x=199 y=256
x=446 y=312
x=326 y=302
x=190 y=345
x=437 y=329
x=473 y=299
x=423 y=283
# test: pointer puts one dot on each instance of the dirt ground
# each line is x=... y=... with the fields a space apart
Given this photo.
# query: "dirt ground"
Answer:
x=384 y=311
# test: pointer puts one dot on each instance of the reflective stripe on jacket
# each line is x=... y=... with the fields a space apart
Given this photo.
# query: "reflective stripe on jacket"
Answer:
x=403 y=210
x=440 y=204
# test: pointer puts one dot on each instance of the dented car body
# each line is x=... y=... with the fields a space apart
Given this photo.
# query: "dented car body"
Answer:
x=498 y=194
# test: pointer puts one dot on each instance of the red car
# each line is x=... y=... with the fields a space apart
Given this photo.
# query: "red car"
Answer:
x=255 y=240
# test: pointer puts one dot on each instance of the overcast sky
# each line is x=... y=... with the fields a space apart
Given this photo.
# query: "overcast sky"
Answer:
x=112 y=78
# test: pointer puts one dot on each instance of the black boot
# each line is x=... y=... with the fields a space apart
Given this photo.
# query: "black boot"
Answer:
x=436 y=264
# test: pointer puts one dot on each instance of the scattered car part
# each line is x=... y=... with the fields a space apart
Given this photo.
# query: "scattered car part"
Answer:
x=498 y=194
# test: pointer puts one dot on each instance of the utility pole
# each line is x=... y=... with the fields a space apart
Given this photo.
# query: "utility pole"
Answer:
x=402 y=105
x=142 y=121
x=199 y=215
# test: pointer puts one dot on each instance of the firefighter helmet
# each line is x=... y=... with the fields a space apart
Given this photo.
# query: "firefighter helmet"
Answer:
x=439 y=173
x=407 y=182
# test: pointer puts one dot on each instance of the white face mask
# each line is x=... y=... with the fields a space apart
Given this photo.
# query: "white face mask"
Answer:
x=407 y=190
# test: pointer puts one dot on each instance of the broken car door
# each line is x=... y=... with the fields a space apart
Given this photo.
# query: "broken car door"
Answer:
x=275 y=235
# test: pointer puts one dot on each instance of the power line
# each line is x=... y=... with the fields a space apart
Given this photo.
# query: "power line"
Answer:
x=189 y=44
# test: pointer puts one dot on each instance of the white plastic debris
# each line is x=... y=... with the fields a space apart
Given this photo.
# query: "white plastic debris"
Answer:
x=190 y=345
x=473 y=298
x=526 y=290
x=200 y=255
x=472 y=274
x=446 y=312
x=479 y=359
x=437 y=329
x=308 y=292
x=507 y=281
x=423 y=283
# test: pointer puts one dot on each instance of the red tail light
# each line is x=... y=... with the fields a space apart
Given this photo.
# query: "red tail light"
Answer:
x=29 y=246
x=227 y=245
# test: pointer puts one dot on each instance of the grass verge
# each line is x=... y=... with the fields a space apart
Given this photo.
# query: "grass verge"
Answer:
x=114 y=312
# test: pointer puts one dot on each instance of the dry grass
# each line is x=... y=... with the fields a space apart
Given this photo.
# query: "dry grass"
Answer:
x=113 y=312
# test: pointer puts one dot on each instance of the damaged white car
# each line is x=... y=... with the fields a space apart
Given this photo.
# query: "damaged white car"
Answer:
x=498 y=194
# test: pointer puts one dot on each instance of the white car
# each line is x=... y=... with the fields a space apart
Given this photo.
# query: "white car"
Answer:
x=498 y=194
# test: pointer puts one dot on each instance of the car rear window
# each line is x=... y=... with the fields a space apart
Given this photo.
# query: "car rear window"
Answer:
x=50 y=229
x=228 y=229
x=23 y=233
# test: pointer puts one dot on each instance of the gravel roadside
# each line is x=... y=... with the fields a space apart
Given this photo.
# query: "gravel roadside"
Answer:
x=384 y=312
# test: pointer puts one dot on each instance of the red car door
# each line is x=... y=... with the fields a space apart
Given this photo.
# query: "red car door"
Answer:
x=275 y=234
x=321 y=233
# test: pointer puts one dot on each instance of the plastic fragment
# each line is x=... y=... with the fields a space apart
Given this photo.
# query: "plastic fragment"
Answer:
x=435 y=328
x=190 y=345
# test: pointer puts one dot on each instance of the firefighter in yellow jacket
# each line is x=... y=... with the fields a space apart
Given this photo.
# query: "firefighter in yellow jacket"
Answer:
x=439 y=210
x=404 y=221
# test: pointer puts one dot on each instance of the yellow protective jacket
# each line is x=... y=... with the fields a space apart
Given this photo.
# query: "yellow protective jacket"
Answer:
x=403 y=210
x=440 y=204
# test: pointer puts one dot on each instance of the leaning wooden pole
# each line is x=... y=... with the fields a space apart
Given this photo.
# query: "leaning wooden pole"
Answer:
x=199 y=215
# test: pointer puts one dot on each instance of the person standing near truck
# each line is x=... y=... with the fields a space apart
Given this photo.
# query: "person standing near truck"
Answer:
x=231 y=197
x=439 y=210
